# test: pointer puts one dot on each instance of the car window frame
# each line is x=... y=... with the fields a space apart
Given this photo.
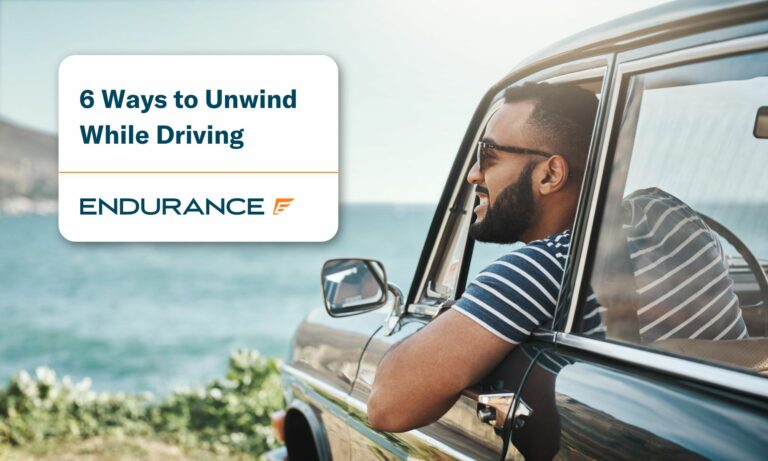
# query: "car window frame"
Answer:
x=581 y=70
x=451 y=220
x=629 y=64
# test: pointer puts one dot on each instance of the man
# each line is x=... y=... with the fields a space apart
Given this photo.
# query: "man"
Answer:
x=528 y=173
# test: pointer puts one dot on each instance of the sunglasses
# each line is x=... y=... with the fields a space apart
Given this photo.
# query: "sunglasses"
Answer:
x=483 y=154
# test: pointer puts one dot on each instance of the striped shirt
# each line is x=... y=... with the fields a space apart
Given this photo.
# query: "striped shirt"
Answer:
x=516 y=294
x=680 y=273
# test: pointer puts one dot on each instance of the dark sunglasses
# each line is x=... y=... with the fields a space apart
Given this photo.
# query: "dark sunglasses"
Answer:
x=483 y=155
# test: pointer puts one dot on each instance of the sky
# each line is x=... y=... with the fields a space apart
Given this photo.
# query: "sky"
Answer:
x=411 y=72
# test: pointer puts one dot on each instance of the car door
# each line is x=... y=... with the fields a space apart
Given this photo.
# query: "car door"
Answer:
x=479 y=424
x=680 y=372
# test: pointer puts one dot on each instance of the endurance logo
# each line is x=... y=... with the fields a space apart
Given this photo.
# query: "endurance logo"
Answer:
x=164 y=206
x=281 y=204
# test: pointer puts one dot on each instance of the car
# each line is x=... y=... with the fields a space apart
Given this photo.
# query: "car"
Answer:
x=683 y=91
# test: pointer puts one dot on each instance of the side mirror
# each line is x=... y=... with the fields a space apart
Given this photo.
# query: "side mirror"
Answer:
x=353 y=286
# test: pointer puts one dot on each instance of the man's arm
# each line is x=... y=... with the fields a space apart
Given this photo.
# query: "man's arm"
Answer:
x=421 y=378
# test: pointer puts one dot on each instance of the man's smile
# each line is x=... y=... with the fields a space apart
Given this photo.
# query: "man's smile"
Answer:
x=482 y=195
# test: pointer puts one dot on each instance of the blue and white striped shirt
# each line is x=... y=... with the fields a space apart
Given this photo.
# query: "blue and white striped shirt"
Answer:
x=681 y=276
x=516 y=294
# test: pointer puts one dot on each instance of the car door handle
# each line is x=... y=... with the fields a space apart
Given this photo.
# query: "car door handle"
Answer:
x=493 y=408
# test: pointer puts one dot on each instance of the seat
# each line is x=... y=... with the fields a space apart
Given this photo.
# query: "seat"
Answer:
x=662 y=274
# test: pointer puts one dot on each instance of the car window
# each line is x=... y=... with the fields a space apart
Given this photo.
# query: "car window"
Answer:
x=443 y=284
x=445 y=267
x=682 y=245
x=483 y=253
x=450 y=256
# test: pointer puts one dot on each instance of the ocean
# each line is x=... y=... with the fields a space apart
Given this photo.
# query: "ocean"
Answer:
x=138 y=317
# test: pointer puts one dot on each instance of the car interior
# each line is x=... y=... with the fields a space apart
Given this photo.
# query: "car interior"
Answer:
x=623 y=322
x=692 y=131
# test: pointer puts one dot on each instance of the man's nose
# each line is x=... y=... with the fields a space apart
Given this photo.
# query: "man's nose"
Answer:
x=475 y=176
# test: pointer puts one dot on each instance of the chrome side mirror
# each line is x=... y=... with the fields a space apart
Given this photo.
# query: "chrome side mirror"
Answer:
x=353 y=286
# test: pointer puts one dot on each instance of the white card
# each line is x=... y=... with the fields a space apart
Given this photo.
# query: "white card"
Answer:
x=255 y=159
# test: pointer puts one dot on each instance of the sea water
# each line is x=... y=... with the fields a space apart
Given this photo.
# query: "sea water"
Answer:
x=137 y=317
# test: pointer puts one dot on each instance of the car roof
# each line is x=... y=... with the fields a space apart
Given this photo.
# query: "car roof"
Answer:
x=672 y=18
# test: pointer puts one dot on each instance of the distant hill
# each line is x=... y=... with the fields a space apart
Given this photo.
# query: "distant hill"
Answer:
x=28 y=170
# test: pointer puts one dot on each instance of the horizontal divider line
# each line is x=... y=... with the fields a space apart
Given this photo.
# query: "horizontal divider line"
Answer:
x=198 y=172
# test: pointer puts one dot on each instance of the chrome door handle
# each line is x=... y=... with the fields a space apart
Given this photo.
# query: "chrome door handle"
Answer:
x=392 y=323
x=493 y=408
x=486 y=415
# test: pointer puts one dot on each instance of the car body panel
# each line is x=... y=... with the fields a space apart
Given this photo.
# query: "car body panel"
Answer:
x=634 y=415
x=327 y=404
x=322 y=367
x=330 y=348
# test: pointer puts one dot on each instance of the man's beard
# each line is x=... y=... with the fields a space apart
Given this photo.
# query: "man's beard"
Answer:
x=511 y=213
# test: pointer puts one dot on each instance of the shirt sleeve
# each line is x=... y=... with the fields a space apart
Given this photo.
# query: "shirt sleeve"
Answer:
x=515 y=294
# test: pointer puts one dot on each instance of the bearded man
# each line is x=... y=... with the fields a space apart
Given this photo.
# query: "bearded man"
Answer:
x=527 y=175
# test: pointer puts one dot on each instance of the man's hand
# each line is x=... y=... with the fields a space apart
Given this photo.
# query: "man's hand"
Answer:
x=421 y=378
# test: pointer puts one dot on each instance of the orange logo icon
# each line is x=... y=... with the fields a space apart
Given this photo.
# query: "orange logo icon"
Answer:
x=281 y=204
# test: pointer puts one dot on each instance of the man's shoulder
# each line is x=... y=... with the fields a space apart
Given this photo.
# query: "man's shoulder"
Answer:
x=550 y=250
x=517 y=293
x=555 y=243
x=538 y=260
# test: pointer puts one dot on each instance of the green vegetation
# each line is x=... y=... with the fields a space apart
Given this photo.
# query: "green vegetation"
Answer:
x=227 y=417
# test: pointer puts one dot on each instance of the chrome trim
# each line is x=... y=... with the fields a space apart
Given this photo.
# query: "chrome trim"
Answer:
x=569 y=71
x=522 y=410
x=324 y=387
x=643 y=64
x=493 y=408
x=712 y=374
x=586 y=74
x=691 y=54
x=593 y=207
x=363 y=408
x=453 y=453
x=423 y=309
x=392 y=323
x=356 y=404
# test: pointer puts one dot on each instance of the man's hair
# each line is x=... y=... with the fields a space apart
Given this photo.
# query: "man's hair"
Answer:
x=564 y=115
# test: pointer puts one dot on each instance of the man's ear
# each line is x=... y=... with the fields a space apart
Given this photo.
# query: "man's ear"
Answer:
x=554 y=175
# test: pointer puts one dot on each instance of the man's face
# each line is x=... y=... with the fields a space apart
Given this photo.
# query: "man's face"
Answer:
x=504 y=184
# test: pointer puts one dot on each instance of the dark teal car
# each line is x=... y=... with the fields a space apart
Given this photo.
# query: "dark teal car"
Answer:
x=683 y=92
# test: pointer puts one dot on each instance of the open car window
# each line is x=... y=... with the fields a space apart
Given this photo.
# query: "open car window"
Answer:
x=683 y=239
x=455 y=254
x=484 y=253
